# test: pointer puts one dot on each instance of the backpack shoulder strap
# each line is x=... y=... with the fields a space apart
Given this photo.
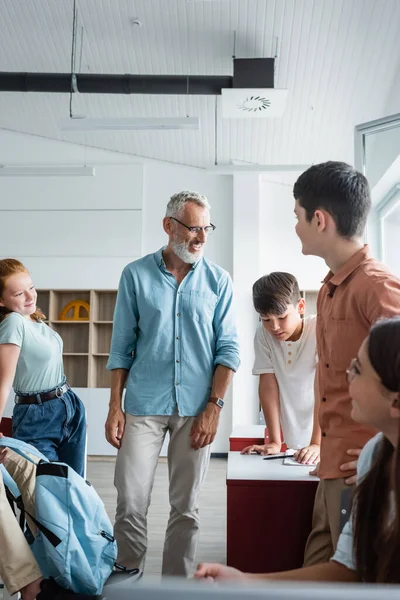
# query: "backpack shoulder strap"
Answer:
x=10 y=483
x=23 y=449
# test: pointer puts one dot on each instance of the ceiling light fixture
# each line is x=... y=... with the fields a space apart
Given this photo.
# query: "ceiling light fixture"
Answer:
x=129 y=124
x=49 y=171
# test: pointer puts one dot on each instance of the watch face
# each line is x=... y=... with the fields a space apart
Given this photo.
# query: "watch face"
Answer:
x=220 y=402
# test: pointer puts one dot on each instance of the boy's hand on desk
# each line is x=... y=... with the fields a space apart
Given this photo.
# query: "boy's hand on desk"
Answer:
x=264 y=450
x=216 y=571
x=351 y=466
x=309 y=455
x=315 y=472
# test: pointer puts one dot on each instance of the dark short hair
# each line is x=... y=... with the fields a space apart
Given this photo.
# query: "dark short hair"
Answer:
x=340 y=190
x=274 y=292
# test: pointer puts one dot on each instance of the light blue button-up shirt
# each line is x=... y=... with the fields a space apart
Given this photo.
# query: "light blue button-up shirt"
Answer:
x=171 y=337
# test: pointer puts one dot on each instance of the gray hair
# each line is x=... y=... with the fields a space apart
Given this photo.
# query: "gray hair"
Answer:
x=178 y=201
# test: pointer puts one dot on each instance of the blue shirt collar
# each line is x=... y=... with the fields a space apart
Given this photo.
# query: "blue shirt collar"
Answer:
x=160 y=261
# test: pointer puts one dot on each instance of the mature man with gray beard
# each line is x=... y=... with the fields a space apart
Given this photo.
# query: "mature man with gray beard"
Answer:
x=175 y=346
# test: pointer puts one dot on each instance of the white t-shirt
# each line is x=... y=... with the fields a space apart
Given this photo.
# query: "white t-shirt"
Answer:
x=293 y=364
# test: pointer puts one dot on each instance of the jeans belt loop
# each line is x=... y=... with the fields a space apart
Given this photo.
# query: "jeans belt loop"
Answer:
x=39 y=400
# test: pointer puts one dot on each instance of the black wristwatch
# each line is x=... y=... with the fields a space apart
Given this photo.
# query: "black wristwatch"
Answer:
x=218 y=401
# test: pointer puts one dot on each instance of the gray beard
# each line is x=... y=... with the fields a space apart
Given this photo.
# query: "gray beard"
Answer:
x=182 y=252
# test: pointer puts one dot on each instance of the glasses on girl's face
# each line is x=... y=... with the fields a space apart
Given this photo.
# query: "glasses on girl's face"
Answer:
x=353 y=370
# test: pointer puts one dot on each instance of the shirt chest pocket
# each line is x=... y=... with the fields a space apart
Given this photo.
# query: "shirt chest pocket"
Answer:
x=344 y=340
x=201 y=305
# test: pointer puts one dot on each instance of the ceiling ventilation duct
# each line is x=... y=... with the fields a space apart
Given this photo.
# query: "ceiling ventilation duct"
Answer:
x=248 y=73
x=252 y=95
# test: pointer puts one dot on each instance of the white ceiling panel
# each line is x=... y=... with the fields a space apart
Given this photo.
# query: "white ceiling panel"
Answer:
x=339 y=60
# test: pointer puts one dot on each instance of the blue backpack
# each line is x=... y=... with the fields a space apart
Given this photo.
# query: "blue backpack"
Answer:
x=74 y=545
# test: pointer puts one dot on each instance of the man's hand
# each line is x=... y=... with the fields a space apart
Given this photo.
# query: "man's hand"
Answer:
x=30 y=591
x=205 y=426
x=309 y=455
x=264 y=450
x=115 y=427
x=219 y=572
x=351 y=466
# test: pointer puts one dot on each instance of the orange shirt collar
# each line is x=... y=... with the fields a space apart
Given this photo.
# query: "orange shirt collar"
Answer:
x=348 y=268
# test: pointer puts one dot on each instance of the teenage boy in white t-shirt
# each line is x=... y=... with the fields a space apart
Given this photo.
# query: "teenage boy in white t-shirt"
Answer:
x=285 y=360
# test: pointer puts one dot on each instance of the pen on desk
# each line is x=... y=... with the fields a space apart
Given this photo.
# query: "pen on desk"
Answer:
x=276 y=457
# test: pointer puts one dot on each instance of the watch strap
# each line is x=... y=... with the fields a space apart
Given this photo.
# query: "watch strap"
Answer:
x=218 y=401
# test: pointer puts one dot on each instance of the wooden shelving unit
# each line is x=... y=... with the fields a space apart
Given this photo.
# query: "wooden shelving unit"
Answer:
x=87 y=342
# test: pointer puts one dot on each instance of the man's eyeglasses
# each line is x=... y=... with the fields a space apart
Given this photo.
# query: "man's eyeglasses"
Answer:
x=195 y=230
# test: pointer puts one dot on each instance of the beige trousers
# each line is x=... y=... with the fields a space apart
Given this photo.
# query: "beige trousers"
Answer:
x=325 y=532
x=134 y=477
x=18 y=566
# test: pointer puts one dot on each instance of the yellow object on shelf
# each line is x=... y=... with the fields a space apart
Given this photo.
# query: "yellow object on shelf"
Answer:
x=75 y=307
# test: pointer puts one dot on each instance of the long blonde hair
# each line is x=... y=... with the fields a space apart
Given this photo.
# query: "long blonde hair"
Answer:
x=9 y=267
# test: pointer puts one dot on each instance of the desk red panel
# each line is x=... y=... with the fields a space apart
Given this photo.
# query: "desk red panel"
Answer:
x=268 y=523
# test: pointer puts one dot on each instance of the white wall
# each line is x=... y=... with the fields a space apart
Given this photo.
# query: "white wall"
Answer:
x=246 y=258
x=280 y=248
x=70 y=231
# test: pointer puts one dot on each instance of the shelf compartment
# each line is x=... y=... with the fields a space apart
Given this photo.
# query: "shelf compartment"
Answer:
x=76 y=370
x=59 y=299
x=103 y=305
x=101 y=377
x=102 y=338
x=75 y=340
x=43 y=302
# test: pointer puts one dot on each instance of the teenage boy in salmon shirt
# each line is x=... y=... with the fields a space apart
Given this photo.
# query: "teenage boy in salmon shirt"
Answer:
x=332 y=205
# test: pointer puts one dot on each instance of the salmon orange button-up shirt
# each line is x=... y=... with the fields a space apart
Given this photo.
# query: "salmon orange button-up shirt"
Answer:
x=349 y=302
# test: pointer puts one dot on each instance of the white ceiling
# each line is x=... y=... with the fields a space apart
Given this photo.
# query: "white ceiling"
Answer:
x=339 y=59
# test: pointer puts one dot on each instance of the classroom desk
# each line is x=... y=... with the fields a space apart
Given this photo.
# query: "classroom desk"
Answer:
x=269 y=511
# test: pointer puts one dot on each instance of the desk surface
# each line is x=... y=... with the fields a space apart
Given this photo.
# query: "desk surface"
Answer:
x=252 y=467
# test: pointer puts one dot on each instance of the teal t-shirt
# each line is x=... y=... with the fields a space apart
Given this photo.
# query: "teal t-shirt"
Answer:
x=40 y=364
